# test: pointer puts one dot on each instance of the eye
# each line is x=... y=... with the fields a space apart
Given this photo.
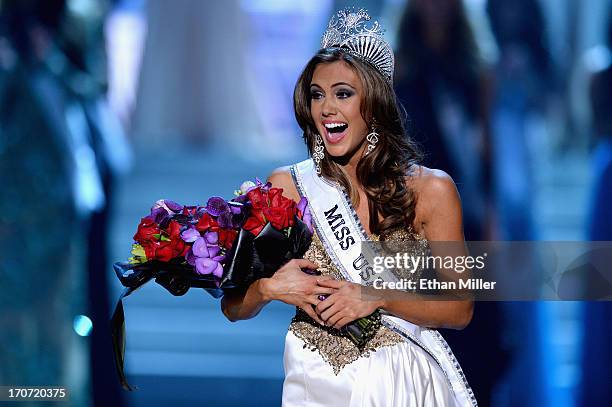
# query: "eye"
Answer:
x=344 y=94
x=316 y=94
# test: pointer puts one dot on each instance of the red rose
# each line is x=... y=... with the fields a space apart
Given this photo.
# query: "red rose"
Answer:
x=164 y=251
x=277 y=200
x=291 y=212
x=149 y=248
x=176 y=243
x=280 y=218
x=256 y=221
x=180 y=248
x=275 y=196
x=168 y=250
x=185 y=250
x=258 y=198
x=254 y=225
x=146 y=229
x=173 y=230
x=169 y=247
x=207 y=224
x=289 y=205
x=190 y=210
x=227 y=237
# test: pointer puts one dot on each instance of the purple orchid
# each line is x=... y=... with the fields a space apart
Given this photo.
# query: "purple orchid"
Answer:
x=159 y=215
x=204 y=254
x=264 y=187
x=169 y=206
x=303 y=207
x=216 y=206
x=235 y=207
x=190 y=235
x=163 y=210
x=227 y=213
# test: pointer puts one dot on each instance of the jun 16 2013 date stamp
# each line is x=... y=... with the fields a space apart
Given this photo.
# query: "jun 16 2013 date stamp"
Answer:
x=33 y=393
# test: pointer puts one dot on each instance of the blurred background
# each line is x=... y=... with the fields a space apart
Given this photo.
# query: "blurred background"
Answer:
x=107 y=106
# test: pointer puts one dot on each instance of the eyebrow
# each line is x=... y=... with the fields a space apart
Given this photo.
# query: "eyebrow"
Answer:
x=335 y=84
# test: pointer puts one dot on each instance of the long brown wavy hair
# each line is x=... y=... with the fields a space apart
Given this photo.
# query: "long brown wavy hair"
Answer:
x=382 y=173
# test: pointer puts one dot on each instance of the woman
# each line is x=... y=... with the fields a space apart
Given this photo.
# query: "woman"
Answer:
x=345 y=104
x=444 y=83
x=524 y=81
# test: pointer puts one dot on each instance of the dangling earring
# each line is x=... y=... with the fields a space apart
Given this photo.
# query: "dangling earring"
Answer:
x=319 y=153
x=372 y=139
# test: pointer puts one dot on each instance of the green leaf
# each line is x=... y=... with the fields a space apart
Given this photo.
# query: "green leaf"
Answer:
x=138 y=251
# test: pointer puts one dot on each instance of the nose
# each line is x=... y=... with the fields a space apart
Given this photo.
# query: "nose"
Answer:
x=329 y=107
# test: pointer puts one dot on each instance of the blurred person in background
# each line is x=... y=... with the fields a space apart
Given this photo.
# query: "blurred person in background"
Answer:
x=66 y=148
x=444 y=84
x=195 y=52
x=523 y=82
x=597 y=357
x=38 y=219
x=600 y=226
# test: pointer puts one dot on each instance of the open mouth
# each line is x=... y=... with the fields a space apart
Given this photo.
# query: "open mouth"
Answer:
x=335 y=131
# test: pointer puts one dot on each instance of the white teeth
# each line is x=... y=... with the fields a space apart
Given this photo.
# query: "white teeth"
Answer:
x=333 y=125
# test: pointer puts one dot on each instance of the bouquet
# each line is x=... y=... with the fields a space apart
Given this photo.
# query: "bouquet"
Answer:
x=222 y=246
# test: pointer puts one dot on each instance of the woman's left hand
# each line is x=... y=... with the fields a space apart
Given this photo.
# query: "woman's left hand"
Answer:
x=350 y=302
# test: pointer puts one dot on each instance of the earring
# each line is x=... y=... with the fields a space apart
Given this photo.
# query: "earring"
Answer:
x=319 y=153
x=372 y=139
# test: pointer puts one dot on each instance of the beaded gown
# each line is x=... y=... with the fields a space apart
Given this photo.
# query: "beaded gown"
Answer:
x=324 y=368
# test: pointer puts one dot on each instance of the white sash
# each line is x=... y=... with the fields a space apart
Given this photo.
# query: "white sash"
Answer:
x=341 y=233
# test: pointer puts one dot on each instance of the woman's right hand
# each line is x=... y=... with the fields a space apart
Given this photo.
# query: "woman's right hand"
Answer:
x=293 y=286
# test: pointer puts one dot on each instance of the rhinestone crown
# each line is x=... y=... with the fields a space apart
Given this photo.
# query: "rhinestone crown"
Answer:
x=350 y=29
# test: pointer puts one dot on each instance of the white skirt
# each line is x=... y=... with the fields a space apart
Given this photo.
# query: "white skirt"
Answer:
x=399 y=375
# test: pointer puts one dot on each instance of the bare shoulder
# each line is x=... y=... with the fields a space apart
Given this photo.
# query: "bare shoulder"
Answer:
x=281 y=178
x=431 y=183
x=435 y=191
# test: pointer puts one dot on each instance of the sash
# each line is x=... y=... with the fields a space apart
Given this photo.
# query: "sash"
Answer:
x=341 y=233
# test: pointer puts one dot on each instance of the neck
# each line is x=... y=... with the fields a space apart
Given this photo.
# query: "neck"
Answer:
x=349 y=164
x=351 y=170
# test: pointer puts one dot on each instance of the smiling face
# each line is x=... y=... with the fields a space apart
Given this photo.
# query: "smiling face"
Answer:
x=335 y=100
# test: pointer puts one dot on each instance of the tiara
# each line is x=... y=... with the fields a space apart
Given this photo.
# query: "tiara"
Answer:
x=349 y=29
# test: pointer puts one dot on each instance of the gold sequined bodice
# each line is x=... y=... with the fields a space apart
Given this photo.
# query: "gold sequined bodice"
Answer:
x=333 y=346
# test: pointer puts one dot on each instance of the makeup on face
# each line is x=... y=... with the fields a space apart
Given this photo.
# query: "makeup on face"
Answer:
x=335 y=107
